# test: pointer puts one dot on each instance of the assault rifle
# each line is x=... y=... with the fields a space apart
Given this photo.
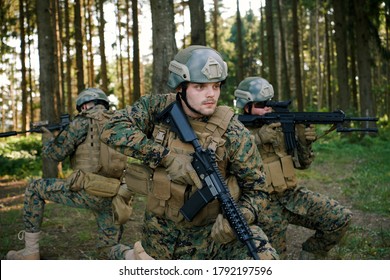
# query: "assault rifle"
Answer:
x=36 y=126
x=288 y=120
x=214 y=186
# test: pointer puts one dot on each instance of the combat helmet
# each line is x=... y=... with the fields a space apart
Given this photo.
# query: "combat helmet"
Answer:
x=92 y=94
x=197 y=64
x=253 y=89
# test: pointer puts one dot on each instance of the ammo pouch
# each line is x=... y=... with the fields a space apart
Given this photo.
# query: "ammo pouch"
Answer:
x=112 y=162
x=93 y=183
x=280 y=174
x=100 y=186
x=138 y=178
x=76 y=180
x=165 y=198
x=122 y=205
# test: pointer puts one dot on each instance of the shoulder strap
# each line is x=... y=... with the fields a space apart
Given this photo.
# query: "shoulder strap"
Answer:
x=220 y=120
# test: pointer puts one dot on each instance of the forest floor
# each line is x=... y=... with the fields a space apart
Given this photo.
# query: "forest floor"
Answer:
x=70 y=233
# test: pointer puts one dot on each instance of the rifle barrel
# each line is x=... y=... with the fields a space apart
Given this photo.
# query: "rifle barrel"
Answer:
x=8 y=133
x=362 y=119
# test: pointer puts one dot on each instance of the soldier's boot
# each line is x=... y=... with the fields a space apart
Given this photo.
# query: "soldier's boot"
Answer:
x=137 y=253
x=318 y=246
x=31 y=250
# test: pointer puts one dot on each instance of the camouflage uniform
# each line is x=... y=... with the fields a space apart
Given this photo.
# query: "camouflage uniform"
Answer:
x=57 y=190
x=281 y=201
x=297 y=205
x=129 y=131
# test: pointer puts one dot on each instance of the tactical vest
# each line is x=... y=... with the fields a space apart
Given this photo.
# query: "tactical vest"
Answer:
x=95 y=156
x=165 y=198
x=278 y=165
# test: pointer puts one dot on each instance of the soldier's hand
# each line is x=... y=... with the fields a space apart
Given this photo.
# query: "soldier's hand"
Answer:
x=221 y=231
x=269 y=133
x=46 y=133
x=310 y=133
x=180 y=170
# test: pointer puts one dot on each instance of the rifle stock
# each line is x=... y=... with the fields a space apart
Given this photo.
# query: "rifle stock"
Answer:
x=214 y=186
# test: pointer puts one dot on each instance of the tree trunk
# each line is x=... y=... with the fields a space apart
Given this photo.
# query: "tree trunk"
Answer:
x=89 y=34
x=240 y=52
x=271 y=47
x=128 y=51
x=319 y=61
x=120 y=57
x=68 y=60
x=23 y=64
x=363 y=58
x=285 y=93
x=215 y=24
x=297 y=63
x=31 y=89
x=164 y=43
x=60 y=48
x=47 y=68
x=102 y=47
x=136 y=54
x=198 y=22
x=327 y=62
x=262 y=41
x=341 y=39
x=79 y=46
x=352 y=50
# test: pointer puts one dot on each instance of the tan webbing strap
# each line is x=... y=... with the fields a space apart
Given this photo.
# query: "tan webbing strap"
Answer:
x=220 y=120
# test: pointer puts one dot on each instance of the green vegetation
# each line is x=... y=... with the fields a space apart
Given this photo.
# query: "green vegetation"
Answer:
x=20 y=157
x=361 y=167
x=356 y=171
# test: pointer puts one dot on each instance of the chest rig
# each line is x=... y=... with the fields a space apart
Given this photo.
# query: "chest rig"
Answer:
x=93 y=155
x=165 y=197
x=278 y=165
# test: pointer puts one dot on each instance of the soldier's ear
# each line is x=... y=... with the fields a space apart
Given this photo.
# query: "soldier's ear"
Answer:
x=246 y=109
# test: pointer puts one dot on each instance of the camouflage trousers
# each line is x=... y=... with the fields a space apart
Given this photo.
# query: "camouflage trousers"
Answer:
x=165 y=239
x=57 y=190
x=304 y=208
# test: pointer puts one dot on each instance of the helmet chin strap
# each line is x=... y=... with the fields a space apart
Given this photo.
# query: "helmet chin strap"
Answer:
x=183 y=96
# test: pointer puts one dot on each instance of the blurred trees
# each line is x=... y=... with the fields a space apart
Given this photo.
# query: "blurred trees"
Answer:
x=322 y=54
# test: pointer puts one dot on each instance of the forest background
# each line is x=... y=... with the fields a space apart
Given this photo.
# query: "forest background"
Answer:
x=321 y=54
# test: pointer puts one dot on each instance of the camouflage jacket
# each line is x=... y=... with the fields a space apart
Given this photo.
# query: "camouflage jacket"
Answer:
x=67 y=141
x=130 y=132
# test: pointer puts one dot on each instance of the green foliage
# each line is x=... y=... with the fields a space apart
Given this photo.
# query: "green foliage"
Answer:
x=362 y=243
x=20 y=157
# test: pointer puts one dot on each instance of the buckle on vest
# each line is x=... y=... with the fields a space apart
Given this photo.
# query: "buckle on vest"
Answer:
x=213 y=145
x=160 y=136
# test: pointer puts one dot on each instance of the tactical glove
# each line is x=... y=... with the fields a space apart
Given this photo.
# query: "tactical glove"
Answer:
x=46 y=133
x=269 y=133
x=221 y=231
x=310 y=133
x=306 y=135
x=180 y=170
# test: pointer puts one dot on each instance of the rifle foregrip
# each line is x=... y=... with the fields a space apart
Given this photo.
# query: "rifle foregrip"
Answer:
x=238 y=223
